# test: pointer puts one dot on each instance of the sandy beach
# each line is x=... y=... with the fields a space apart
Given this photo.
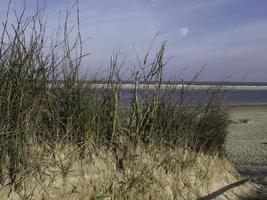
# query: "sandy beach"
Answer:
x=247 y=140
x=246 y=144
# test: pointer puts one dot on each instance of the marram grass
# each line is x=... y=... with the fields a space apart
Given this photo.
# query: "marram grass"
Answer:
x=61 y=138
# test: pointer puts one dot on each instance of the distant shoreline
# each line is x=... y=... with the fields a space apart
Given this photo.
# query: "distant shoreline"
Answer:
x=251 y=105
x=180 y=86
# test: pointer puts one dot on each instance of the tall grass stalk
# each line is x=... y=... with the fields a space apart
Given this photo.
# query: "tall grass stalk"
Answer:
x=43 y=101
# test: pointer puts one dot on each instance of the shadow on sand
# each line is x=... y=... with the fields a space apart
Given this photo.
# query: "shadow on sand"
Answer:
x=222 y=191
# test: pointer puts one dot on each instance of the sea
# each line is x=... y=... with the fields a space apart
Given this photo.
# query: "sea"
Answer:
x=253 y=94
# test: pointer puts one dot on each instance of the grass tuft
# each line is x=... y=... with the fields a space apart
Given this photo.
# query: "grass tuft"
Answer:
x=47 y=109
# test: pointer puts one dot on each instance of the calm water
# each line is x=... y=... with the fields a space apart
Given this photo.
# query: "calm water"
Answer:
x=239 y=97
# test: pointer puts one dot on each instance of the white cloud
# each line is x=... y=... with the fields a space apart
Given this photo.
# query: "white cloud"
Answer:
x=183 y=32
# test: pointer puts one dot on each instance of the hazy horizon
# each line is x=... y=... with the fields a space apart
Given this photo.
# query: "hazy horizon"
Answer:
x=228 y=36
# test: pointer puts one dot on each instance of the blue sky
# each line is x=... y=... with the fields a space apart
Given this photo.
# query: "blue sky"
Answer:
x=229 y=36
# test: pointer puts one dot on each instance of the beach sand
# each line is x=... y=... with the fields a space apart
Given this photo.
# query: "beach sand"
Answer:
x=247 y=139
x=246 y=144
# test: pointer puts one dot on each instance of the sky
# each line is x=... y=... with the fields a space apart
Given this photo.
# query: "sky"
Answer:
x=229 y=37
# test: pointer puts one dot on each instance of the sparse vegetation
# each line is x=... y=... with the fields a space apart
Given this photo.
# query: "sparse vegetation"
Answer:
x=53 y=126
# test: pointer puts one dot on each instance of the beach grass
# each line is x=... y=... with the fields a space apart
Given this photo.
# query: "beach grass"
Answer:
x=63 y=139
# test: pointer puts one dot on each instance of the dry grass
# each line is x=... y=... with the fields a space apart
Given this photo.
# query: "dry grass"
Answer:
x=62 y=139
x=145 y=174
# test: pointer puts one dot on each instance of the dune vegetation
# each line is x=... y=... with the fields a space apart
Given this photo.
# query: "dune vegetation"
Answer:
x=63 y=138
